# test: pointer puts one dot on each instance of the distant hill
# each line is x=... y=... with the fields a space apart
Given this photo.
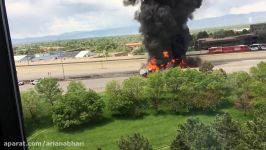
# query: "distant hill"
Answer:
x=195 y=24
x=79 y=35
x=228 y=20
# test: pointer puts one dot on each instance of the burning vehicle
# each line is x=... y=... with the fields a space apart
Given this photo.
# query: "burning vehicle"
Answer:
x=165 y=31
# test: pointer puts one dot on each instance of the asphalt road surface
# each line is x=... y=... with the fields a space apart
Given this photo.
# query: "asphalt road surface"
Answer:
x=91 y=68
x=95 y=84
x=99 y=84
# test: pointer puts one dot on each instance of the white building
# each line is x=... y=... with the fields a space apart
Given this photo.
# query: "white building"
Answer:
x=82 y=54
x=20 y=57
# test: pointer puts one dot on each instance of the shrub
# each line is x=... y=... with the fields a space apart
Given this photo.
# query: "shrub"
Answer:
x=202 y=34
x=243 y=89
x=206 y=67
x=173 y=83
x=34 y=110
x=76 y=87
x=259 y=72
x=209 y=93
x=139 y=50
x=134 y=142
x=194 y=135
x=77 y=107
x=127 y=99
x=255 y=130
x=192 y=90
x=229 y=132
x=156 y=89
x=223 y=133
x=179 y=87
x=220 y=72
x=49 y=90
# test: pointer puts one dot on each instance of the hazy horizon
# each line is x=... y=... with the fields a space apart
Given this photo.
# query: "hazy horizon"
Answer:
x=30 y=18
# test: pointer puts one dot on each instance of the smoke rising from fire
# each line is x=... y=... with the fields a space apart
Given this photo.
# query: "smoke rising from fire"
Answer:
x=164 y=26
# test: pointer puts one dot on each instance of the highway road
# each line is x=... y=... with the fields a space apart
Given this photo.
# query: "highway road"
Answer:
x=99 y=84
x=95 y=84
x=94 y=68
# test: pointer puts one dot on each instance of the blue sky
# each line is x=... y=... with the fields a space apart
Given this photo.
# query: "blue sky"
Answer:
x=31 y=18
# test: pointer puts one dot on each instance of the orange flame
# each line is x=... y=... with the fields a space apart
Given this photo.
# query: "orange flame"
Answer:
x=166 y=54
x=152 y=66
x=173 y=62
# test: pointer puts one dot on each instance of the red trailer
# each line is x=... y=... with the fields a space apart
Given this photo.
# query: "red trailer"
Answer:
x=215 y=50
x=229 y=49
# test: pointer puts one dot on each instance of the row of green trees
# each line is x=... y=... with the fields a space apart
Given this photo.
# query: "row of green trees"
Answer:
x=117 y=43
x=109 y=44
x=220 y=33
x=224 y=133
x=174 y=90
x=46 y=102
x=178 y=90
x=188 y=90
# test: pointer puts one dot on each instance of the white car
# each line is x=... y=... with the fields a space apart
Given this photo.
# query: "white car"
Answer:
x=143 y=72
x=20 y=83
x=34 y=82
x=263 y=47
x=256 y=47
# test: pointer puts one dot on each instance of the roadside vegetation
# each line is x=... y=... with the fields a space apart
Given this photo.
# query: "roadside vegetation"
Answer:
x=98 y=45
x=118 y=43
x=174 y=109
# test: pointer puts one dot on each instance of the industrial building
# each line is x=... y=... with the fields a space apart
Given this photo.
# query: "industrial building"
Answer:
x=258 y=29
x=53 y=55
x=246 y=39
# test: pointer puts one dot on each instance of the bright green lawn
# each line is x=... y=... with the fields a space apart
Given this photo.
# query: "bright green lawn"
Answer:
x=160 y=130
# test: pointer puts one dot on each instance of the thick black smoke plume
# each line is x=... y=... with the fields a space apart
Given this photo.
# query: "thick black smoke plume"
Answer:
x=164 y=26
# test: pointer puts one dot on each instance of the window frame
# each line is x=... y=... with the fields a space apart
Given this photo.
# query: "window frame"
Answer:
x=11 y=117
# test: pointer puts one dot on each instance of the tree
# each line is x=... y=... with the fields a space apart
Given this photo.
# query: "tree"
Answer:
x=229 y=132
x=31 y=105
x=76 y=87
x=134 y=90
x=128 y=99
x=255 y=130
x=139 y=51
x=35 y=111
x=194 y=135
x=77 y=107
x=220 y=72
x=259 y=72
x=173 y=81
x=115 y=98
x=202 y=34
x=193 y=90
x=206 y=67
x=209 y=93
x=240 y=84
x=258 y=93
x=229 y=33
x=49 y=89
x=156 y=89
x=245 y=31
x=219 y=34
x=134 y=142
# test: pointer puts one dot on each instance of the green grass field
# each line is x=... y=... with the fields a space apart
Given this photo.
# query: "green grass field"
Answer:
x=159 y=129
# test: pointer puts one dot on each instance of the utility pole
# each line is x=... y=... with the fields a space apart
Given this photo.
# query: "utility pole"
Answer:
x=62 y=64
x=61 y=58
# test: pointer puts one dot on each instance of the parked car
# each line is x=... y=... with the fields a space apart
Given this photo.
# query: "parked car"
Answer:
x=257 y=47
x=263 y=47
x=20 y=83
x=34 y=82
